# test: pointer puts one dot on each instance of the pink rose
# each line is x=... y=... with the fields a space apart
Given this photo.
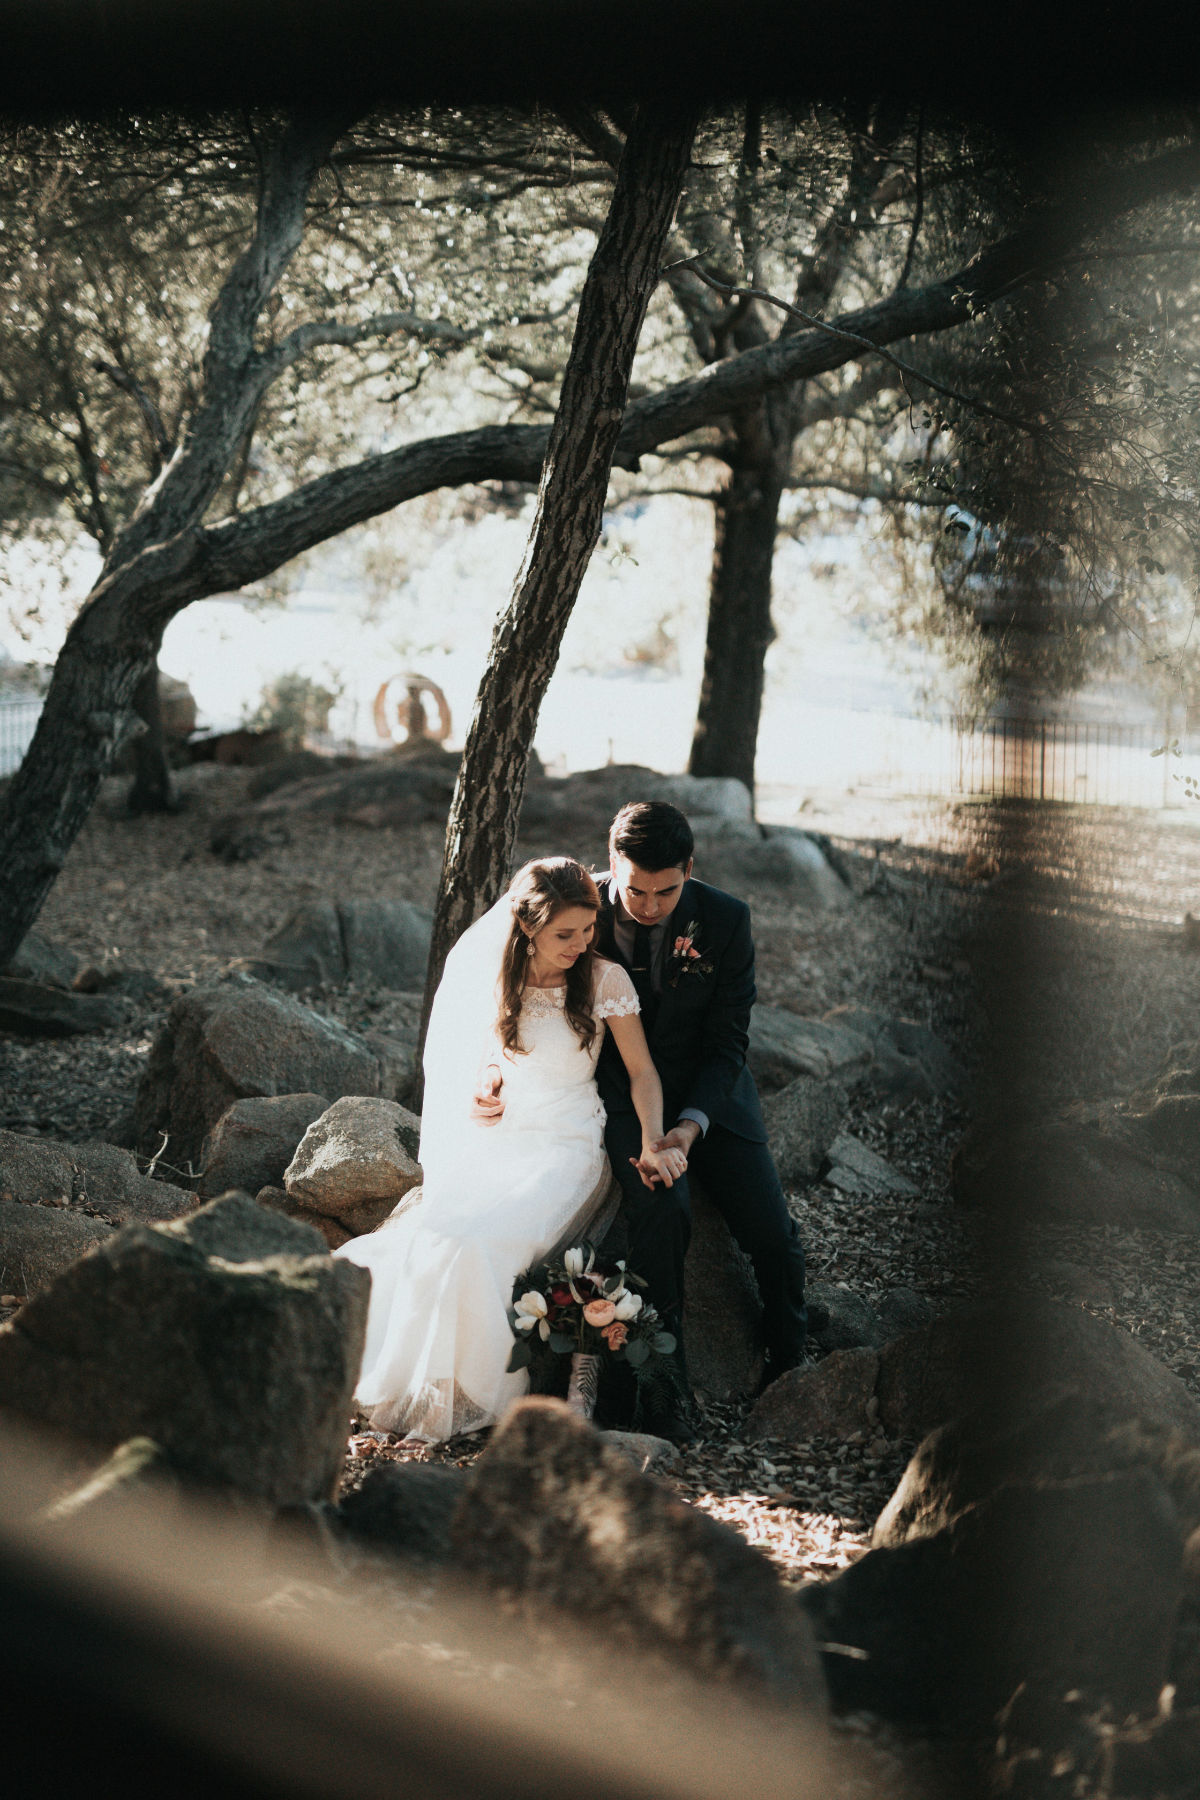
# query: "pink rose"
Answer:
x=615 y=1334
x=599 y=1312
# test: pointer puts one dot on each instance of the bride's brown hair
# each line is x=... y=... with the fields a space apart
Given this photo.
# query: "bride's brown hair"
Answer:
x=539 y=892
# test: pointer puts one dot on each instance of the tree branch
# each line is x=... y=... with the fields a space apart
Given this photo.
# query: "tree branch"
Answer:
x=308 y=337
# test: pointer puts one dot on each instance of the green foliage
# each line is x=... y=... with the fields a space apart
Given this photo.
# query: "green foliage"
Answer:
x=296 y=706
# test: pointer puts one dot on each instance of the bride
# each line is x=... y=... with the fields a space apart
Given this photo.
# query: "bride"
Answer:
x=512 y=1152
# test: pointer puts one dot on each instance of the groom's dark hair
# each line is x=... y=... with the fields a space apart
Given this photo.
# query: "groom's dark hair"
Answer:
x=652 y=834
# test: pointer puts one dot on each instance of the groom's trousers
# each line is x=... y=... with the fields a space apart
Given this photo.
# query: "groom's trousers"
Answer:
x=740 y=1179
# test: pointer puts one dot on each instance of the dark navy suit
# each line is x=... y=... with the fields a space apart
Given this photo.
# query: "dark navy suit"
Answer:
x=698 y=1029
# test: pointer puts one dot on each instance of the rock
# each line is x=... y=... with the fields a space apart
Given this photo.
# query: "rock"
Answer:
x=230 y=1338
x=38 y=959
x=783 y=1045
x=403 y=1508
x=34 y=1009
x=1060 y=1585
x=839 y=1319
x=253 y=1142
x=794 y=860
x=649 y=1454
x=177 y=706
x=38 y=1242
x=277 y=1199
x=1021 y=1351
x=98 y=1178
x=909 y=1061
x=857 y=1169
x=724 y=1336
x=359 y=1151
x=551 y=1512
x=228 y=1040
x=294 y=765
x=375 y=943
x=1055 y=1435
x=901 y=1309
x=802 y=1122
x=1081 y=1283
x=384 y=791
x=833 y=1398
x=1077 y=1166
x=243 y=836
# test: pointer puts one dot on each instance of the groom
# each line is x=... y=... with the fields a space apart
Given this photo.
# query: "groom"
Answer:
x=689 y=950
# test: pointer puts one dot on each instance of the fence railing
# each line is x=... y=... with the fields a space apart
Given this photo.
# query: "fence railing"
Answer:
x=1068 y=760
x=18 y=722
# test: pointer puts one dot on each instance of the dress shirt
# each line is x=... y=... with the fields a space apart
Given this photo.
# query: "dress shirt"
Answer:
x=623 y=930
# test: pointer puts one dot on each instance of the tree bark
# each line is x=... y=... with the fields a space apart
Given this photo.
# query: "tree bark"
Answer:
x=739 y=603
x=525 y=645
x=153 y=790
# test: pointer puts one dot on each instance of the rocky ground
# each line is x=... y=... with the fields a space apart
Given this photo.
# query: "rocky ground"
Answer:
x=1108 y=984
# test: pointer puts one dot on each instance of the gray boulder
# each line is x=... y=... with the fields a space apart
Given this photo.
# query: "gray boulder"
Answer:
x=333 y=1231
x=1018 y=1352
x=1083 y=1164
x=229 y=1338
x=802 y=1120
x=385 y=791
x=94 y=1178
x=902 y=1309
x=374 y=943
x=833 y=1398
x=35 y=1009
x=228 y=1040
x=909 y=1062
x=39 y=959
x=854 y=1168
x=783 y=1046
x=839 y=1319
x=404 y=1509
x=721 y=1305
x=38 y=1242
x=550 y=1512
x=1058 y=1585
x=252 y=1143
x=359 y=1154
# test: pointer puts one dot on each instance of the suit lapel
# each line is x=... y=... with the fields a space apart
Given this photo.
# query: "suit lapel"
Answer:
x=688 y=909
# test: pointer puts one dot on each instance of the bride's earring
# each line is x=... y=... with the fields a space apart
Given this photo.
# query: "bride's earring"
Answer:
x=529 y=946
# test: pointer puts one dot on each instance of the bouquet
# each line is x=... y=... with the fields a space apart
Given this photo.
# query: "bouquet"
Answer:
x=586 y=1306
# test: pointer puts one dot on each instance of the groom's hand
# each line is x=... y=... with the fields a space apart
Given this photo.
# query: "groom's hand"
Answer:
x=680 y=1137
x=487 y=1105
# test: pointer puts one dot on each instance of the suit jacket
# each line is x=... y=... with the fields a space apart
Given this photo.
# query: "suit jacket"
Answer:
x=698 y=1029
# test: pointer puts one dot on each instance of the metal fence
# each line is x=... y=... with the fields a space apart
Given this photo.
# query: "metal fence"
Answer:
x=18 y=722
x=1068 y=760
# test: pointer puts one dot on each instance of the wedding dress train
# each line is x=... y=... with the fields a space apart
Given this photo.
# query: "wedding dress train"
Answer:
x=506 y=1196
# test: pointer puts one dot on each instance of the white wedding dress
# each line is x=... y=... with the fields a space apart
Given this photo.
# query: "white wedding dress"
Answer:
x=507 y=1196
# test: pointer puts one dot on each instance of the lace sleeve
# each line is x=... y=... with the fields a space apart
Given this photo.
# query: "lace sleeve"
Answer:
x=614 y=993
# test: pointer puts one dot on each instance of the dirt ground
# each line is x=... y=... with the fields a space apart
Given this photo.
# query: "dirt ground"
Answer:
x=1069 y=919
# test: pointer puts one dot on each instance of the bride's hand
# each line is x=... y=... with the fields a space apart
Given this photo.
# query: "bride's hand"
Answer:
x=662 y=1162
x=487 y=1106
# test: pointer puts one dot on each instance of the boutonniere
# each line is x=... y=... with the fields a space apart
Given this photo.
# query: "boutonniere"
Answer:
x=686 y=959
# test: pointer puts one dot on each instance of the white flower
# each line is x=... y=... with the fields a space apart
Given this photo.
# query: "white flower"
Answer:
x=628 y=1307
x=531 y=1310
x=575 y=1262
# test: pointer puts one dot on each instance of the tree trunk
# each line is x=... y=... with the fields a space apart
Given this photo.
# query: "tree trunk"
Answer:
x=153 y=790
x=620 y=281
x=88 y=714
x=739 y=605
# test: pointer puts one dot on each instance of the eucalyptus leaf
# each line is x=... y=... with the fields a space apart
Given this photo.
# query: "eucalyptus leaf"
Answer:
x=522 y=1356
x=664 y=1343
x=561 y=1342
x=636 y=1352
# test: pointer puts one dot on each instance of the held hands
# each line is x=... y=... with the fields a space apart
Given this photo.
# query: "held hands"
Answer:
x=487 y=1105
x=665 y=1159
